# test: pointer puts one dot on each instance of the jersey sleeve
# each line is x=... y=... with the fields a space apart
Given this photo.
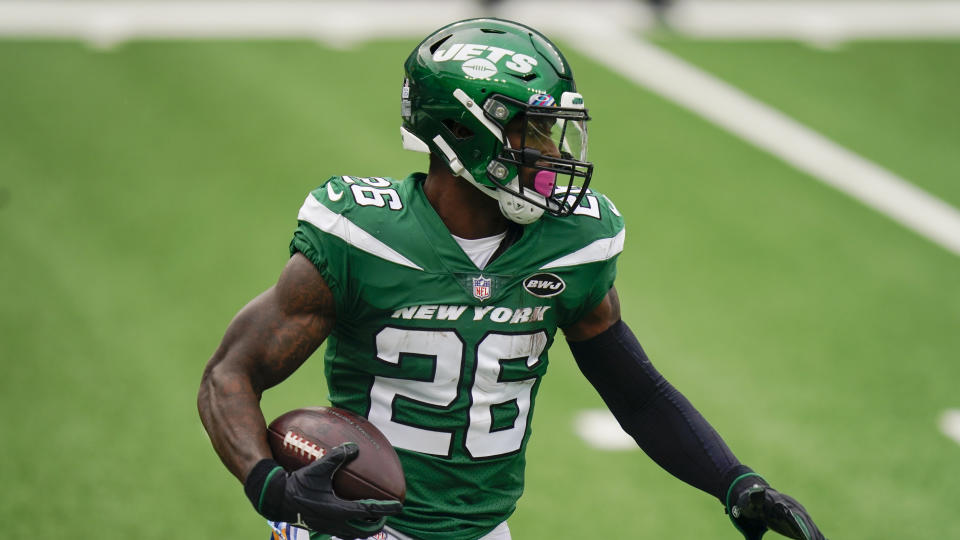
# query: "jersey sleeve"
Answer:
x=319 y=216
x=595 y=263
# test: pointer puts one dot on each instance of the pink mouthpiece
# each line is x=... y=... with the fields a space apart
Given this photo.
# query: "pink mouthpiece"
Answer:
x=544 y=181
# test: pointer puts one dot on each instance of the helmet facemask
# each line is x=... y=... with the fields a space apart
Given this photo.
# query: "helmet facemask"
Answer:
x=549 y=168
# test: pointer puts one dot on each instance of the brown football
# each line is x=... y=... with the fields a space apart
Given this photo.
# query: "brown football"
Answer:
x=302 y=436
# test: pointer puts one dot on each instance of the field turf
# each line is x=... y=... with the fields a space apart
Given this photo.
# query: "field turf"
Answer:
x=146 y=193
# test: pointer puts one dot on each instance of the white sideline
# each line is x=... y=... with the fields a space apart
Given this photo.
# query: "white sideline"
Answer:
x=606 y=32
x=818 y=21
x=807 y=20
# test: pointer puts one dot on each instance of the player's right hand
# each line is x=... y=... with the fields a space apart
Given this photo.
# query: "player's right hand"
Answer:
x=305 y=498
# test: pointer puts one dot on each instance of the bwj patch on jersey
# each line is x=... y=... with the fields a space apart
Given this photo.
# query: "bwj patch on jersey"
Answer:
x=544 y=285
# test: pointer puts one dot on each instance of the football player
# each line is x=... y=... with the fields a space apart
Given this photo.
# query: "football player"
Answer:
x=438 y=297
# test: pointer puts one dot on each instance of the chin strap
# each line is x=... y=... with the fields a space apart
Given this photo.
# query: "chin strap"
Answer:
x=512 y=207
x=516 y=209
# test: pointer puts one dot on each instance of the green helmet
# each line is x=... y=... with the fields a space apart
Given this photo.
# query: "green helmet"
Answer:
x=465 y=82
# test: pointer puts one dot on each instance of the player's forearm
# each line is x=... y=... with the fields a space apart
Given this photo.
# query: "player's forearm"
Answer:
x=675 y=435
x=230 y=411
x=662 y=421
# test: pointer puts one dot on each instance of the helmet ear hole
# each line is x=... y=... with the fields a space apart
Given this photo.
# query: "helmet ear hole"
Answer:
x=458 y=130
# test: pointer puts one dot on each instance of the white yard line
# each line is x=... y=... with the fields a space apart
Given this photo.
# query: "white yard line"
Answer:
x=778 y=134
x=604 y=32
x=950 y=424
x=599 y=429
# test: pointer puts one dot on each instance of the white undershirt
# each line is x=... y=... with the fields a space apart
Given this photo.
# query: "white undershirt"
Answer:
x=480 y=249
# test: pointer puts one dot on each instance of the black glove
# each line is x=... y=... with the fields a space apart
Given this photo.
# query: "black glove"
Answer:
x=305 y=498
x=754 y=507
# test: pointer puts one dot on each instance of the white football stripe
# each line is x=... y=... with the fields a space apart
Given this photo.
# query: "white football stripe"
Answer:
x=330 y=222
x=302 y=446
x=950 y=424
x=599 y=250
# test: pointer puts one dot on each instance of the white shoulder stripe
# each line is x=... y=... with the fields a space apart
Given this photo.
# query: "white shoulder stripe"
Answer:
x=328 y=221
x=599 y=250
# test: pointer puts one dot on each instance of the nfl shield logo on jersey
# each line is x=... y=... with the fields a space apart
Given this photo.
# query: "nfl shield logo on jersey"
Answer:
x=481 y=288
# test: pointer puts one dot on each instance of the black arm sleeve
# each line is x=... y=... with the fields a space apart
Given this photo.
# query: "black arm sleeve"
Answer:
x=662 y=421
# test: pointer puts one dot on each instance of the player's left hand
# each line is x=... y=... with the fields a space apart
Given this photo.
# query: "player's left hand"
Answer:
x=756 y=507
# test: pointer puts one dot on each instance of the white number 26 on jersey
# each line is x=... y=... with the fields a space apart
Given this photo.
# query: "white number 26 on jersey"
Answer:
x=488 y=390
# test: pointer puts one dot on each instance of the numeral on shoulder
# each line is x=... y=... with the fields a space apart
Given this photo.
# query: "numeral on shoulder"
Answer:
x=374 y=191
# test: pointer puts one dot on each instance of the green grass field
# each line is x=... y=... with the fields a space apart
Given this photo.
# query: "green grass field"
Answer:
x=146 y=193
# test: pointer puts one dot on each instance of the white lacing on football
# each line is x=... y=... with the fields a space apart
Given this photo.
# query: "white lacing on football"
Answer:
x=302 y=446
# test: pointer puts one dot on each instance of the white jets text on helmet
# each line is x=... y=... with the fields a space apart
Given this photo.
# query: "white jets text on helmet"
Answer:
x=461 y=52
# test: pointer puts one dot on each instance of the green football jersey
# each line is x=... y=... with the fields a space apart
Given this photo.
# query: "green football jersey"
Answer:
x=444 y=358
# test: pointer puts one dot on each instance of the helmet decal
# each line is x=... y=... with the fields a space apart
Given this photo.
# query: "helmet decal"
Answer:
x=542 y=100
x=479 y=68
x=468 y=52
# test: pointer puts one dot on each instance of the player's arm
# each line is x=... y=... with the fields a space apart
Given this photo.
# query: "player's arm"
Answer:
x=671 y=431
x=266 y=342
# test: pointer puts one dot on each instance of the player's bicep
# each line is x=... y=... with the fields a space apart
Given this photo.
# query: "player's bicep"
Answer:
x=597 y=320
x=279 y=329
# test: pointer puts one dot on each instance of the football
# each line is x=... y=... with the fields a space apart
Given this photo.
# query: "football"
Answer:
x=302 y=436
